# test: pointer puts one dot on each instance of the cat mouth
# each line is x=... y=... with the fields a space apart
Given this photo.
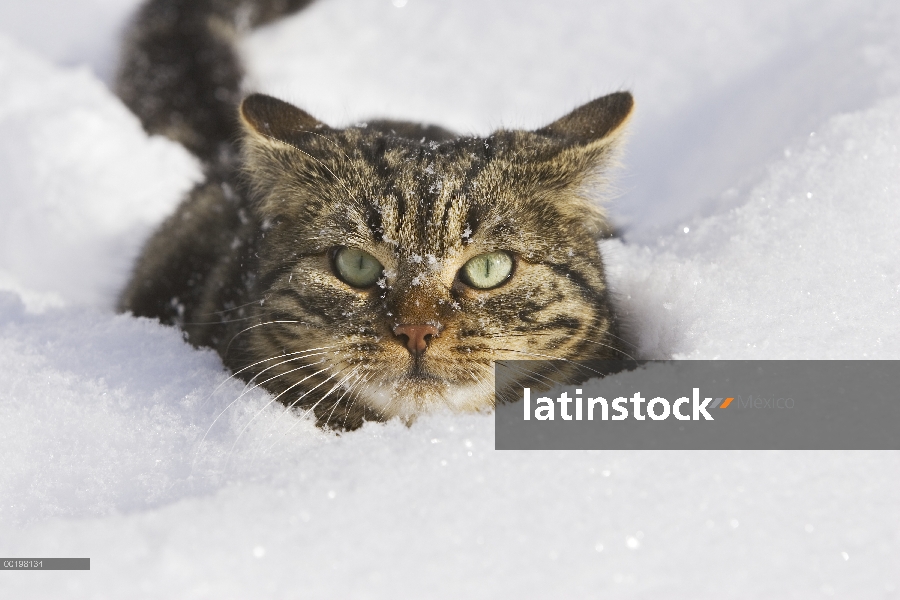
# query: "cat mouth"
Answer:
x=422 y=384
x=419 y=376
x=419 y=373
x=418 y=379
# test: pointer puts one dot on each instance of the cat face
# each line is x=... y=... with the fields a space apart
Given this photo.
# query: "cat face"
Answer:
x=395 y=269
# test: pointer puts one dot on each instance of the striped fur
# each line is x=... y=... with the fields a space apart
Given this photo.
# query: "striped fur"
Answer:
x=245 y=265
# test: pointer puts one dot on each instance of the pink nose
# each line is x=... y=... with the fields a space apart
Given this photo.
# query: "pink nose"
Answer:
x=417 y=336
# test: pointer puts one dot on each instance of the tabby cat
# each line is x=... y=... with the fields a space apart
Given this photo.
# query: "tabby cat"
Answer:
x=373 y=271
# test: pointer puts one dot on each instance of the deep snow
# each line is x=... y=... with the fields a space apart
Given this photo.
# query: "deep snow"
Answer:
x=759 y=197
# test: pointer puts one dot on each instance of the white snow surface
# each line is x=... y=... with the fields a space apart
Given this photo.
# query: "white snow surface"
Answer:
x=760 y=200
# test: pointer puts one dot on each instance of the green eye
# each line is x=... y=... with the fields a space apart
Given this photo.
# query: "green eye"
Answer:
x=356 y=267
x=487 y=271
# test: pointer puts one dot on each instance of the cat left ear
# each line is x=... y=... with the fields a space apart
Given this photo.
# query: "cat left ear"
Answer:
x=596 y=123
x=274 y=119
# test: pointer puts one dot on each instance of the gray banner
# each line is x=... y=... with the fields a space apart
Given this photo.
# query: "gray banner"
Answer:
x=699 y=405
x=45 y=564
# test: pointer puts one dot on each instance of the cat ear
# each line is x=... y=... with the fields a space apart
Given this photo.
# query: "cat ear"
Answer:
x=577 y=151
x=276 y=120
x=596 y=123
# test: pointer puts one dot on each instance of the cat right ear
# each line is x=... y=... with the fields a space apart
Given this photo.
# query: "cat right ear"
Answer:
x=275 y=120
x=578 y=148
x=598 y=122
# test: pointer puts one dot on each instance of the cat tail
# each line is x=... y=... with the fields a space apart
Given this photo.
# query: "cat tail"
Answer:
x=180 y=73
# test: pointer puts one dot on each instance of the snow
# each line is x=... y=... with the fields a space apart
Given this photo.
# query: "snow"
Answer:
x=760 y=203
x=82 y=184
x=806 y=266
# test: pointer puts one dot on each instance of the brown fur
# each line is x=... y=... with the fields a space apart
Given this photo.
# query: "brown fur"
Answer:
x=246 y=265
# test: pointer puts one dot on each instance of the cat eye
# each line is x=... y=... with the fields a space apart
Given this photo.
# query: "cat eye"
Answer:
x=357 y=267
x=488 y=270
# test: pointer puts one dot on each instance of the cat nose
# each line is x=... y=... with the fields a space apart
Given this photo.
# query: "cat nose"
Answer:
x=417 y=337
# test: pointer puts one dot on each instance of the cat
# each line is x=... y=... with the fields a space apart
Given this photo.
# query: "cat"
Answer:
x=372 y=271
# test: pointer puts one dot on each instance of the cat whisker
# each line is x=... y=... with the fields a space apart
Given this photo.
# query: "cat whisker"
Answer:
x=615 y=337
x=268 y=404
x=544 y=379
x=537 y=376
x=304 y=354
x=228 y=347
x=623 y=340
x=245 y=391
x=249 y=388
x=577 y=364
x=319 y=401
x=352 y=399
x=219 y=322
x=619 y=350
x=259 y=362
x=300 y=418
x=346 y=392
x=227 y=310
x=297 y=401
x=328 y=393
x=575 y=337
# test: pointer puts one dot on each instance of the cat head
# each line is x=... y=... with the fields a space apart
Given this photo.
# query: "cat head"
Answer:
x=398 y=262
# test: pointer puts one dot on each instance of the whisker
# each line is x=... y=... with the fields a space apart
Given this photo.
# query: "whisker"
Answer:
x=288 y=372
x=220 y=321
x=347 y=391
x=259 y=362
x=228 y=347
x=623 y=340
x=268 y=404
x=619 y=350
x=227 y=310
x=536 y=376
x=310 y=409
x=577 y=364
x=501 y=335
x=352 y=399
x=256 y=452
x=306 y=354
x=295 y=402
x=328 y=393
x=245 y=391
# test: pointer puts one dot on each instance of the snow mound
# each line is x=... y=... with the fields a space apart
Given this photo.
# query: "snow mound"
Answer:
x=808 y=266
x=82 y=183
